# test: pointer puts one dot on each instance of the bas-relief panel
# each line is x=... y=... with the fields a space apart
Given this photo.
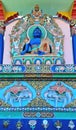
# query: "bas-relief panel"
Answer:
x=38 y=94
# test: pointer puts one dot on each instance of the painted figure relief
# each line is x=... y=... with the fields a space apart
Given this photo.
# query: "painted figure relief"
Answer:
x=58 y=94
x=38 y=66
x=36 y=35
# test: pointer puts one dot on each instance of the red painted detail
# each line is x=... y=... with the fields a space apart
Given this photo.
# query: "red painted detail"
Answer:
x=74 y=10
x=1 y=12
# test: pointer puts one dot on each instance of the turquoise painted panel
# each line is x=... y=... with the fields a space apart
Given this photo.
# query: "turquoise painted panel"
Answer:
x=18 y=95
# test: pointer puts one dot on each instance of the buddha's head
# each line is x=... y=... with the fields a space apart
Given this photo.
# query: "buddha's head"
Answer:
x=36 y=8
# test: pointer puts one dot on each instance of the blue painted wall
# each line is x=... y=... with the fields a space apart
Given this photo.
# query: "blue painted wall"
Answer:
x=74 y=47
x=1 y=48
x=39 y=126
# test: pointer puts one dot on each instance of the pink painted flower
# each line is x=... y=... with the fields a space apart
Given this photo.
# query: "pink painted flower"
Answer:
x=16 y=89
x=60 y=89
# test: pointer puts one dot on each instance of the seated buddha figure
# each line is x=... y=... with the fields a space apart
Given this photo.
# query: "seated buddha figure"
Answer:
x=34 y=44
x=36 y=12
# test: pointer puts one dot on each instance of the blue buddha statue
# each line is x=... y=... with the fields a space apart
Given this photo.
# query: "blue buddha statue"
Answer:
x=34 y=43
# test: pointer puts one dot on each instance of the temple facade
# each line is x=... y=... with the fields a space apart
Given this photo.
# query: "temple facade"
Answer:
x=37 y=69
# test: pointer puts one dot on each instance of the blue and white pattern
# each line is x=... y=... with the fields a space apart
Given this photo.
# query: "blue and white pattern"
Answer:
x=58 y=94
